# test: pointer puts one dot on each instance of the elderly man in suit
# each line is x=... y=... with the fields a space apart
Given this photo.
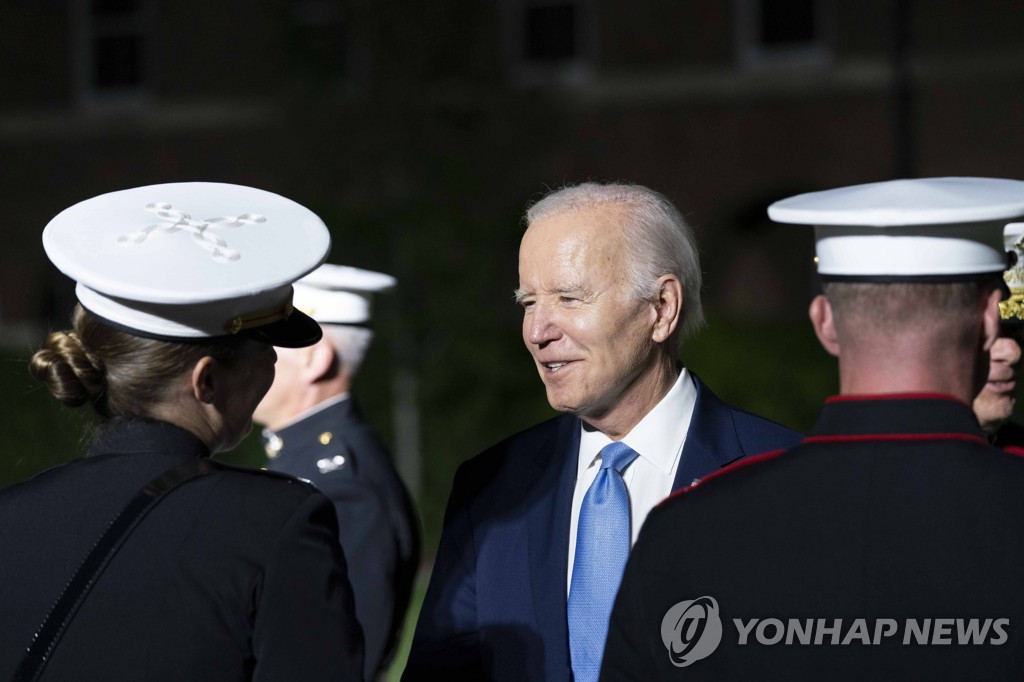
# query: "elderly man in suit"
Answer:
x=538 y=527
x=315 y=431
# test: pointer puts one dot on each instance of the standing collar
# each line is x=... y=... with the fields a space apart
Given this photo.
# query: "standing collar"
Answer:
x=138 y=436
x=319 y=407
x=658 y=437
x=903 y=415
x=321 y=417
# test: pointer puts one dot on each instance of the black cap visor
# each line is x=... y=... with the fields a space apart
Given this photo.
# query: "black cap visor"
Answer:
x=296 y=331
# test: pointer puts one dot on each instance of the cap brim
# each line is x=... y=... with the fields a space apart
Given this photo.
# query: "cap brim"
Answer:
x=297 y=331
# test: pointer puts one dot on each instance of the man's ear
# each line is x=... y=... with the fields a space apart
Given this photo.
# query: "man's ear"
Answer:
x=203 y=380
x=824 y=324
x=668 y=308
x=990 y=318
x=318 y=361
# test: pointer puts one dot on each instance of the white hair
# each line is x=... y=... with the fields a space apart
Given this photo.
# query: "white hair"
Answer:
x=350 y=343
x=658 y=240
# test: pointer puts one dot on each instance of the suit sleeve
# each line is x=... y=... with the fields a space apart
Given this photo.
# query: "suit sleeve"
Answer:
x=447 y=640
x=305 y=626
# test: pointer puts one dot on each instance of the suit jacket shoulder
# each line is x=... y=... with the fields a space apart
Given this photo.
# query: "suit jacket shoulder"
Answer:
x=517 y=456
x=720 y=434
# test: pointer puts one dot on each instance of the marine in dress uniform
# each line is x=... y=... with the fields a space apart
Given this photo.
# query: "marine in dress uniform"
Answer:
x=995 y=403
x=320 y=436
x=886 y=545
x=1009 y=434
x=234 y=574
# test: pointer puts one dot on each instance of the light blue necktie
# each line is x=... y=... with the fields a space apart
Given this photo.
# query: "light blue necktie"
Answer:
x=602 y=547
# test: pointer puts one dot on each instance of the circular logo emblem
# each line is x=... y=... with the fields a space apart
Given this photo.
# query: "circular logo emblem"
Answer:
x=691 y=630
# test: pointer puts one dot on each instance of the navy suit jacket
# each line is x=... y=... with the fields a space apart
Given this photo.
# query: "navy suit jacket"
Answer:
x=496 y=605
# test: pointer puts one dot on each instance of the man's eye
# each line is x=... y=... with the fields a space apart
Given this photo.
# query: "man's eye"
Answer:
x=568 y=299
x=526 y=304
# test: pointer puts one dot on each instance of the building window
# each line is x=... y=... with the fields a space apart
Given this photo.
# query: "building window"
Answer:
x=113 y=53
x=785 y=32
x=550 y=40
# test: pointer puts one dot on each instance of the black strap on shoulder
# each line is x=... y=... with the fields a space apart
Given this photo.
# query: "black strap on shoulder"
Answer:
x=70 y=600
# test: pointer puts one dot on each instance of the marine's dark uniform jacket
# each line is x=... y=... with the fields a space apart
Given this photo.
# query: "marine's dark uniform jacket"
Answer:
x=236 y=575
x=1009 y=434
x=335 y=449
x=894 y=516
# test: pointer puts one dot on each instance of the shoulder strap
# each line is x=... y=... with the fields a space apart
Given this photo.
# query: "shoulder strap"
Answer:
x=64 y=609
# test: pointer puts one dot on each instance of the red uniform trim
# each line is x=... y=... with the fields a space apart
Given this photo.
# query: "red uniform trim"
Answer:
x=739 y=464
x=861 y=437
x=1014 y=450
x=891 y=396
x=853 y=438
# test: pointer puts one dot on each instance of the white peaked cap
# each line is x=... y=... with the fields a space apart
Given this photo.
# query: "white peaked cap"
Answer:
x=339 y=294
x=906 y=230
x=191 y=261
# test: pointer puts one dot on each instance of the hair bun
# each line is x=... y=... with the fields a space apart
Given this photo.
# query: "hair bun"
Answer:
x=64 y=366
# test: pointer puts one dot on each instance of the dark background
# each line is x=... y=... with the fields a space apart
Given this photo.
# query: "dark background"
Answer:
x=420 y=131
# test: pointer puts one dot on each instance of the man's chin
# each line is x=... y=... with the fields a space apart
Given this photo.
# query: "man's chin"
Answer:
x=560 y=405
x=993 y=411
x=558 y=398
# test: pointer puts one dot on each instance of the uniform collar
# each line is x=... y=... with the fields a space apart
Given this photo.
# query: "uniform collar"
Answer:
x=322 y=418
x=138 y=436
x=319 y=407
x=927 y=414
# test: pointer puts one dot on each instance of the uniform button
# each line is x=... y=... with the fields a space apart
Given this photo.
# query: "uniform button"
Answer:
x=273 y=446
x=326 y=437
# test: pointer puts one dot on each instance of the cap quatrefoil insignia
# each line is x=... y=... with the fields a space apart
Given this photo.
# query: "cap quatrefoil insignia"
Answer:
x=200 y=229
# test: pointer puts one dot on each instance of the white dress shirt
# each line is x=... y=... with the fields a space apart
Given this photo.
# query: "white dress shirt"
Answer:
x=658 y=440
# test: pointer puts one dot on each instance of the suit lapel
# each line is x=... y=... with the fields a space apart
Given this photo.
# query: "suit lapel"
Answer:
x=711 y=441
x=548 y=533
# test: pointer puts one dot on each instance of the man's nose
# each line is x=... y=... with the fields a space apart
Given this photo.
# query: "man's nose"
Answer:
x=1013 y=352
x=541 y=327
x=1006 y=350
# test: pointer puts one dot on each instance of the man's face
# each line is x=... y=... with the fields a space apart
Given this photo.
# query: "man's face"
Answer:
x=994 y=405
x=277 y=406
x=589 y=336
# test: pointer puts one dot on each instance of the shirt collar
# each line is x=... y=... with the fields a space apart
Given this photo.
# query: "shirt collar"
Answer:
x=659 y=436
